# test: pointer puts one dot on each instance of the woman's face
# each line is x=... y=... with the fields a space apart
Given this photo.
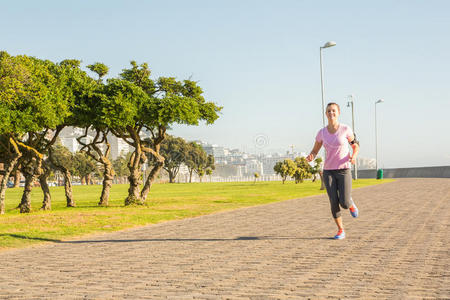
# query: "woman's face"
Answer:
x=332 y=112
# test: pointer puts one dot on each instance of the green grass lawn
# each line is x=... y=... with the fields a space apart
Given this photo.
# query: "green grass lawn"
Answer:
x=165 y=202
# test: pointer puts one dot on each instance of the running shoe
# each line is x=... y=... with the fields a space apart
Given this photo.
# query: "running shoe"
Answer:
x=354 y=210
x=340 y=235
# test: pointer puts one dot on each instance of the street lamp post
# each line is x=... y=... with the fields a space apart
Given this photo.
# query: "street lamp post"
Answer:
x=352 y=103
x=327 y=45
x=376 y=134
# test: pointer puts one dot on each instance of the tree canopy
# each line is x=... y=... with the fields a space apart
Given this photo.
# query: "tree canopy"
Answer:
x=285 y=168
x=137 y=105
x=174 y=151
x=38 y=98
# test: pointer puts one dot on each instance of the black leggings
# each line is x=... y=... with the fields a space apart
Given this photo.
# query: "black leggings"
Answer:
x=339 y=189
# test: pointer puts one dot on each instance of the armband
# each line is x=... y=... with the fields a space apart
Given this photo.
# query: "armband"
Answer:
x=355 y=141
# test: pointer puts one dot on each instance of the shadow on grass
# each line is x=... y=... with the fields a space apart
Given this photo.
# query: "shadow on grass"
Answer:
x=24 y=237
x=241 y=238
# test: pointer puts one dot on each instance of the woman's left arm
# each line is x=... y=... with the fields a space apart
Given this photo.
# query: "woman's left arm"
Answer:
x=355 y=147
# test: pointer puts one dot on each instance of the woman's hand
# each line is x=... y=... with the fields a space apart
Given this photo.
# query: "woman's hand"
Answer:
x=310 y=157
x=314 y=151
x=355 y=148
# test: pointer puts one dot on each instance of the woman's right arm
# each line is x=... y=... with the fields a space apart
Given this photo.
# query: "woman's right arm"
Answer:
x=314 y=151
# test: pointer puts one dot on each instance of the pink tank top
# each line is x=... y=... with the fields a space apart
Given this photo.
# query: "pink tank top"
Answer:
x=336 y=147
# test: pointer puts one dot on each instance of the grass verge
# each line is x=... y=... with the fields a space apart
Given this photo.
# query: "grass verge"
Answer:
x=165 y=202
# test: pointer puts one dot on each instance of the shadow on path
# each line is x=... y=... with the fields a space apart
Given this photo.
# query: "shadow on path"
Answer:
x=241 y=238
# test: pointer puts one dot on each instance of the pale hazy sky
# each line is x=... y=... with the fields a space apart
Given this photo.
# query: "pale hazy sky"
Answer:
x=260 y=60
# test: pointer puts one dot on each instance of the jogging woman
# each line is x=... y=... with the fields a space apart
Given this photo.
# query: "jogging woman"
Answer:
x=337 y=176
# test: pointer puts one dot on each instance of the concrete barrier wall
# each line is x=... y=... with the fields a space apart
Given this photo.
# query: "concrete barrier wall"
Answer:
x=425 y=172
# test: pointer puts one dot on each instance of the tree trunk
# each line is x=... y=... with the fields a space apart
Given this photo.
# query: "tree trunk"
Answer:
x=31 y=169
x=3 y=187
x=8 y=167
x=171 y=176
x=4 y=178
x=151 y=177
x=134 y=191
x=190 y=176
x=25 y=204
x=134 y=165
x=17 y=176
x=108 y=176
x=47 y=203
x=67 y=180
x=68 y=188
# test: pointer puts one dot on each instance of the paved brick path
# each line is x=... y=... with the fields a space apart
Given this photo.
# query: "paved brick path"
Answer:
x=397 y=249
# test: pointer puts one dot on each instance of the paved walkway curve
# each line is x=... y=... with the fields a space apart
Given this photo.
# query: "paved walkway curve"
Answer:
x=397 y=249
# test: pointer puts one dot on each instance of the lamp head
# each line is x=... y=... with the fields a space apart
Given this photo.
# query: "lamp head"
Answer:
x=329 y=44
x=380 y=101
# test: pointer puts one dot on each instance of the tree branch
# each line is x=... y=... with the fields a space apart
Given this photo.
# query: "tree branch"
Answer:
x=55 y=136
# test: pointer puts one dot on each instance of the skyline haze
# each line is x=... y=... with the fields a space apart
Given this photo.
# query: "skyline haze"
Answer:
x=260 y=61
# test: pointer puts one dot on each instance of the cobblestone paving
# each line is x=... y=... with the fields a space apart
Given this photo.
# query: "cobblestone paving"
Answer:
x=397 y=249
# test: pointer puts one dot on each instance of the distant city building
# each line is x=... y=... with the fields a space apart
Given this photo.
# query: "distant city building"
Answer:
x=68 y=137
x=366 y=163
x=215 y=150
x=118 y=146
x=229 y=162
x=270 y=160
x=252 y=166
x=245 y=164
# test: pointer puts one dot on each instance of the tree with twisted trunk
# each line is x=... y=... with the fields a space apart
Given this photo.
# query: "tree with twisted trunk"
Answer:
x=46 y=170
x=10 y=155
x=99 y=150
x=62 y=160
x=84 y=167
x=30 y=166
x=173 y=149
x=135 y=105
x=34 y=103
x=198 y=161
x=17 y=176
x=15 y=85
x=33 y=147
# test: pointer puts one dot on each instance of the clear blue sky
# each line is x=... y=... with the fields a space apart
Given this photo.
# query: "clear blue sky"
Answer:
x=260 y=60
